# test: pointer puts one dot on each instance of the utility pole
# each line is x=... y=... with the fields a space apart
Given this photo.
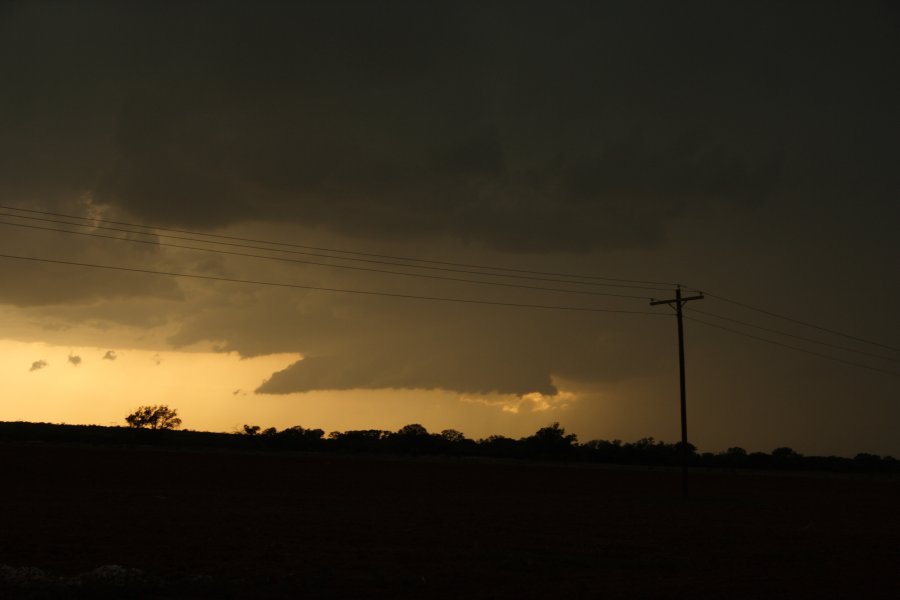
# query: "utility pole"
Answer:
x=679 y=301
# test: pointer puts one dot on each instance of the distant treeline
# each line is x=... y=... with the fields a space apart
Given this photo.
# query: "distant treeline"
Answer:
x=550 y=443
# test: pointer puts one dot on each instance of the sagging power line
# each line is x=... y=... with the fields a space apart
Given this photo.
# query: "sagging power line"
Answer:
x=505 y=272
x=337 y=266
x=304 y=253
x=326 y=289
x=435 y=277
x=791 y=335
x=803 y=323
x=510 y=271
x=796 y=348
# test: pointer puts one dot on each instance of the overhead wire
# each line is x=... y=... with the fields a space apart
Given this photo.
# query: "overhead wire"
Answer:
x=327 y=289
x=338 y=266
x=803 y=323
x=791 y=335
x=502 y=272
x=317 y=255
x=352 y=252
x=796 y=348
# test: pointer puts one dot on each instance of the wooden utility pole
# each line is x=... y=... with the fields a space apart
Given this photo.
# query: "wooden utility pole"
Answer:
x=679 y=301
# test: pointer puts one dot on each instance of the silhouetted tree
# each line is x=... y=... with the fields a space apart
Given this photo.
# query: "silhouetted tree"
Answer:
x=648 y=450
x=671 y=454
x=361 y=434
x=786 y=458
x=453 y=436
x=451 y=441
x=298 y=438
x=414 y=439
x=601 y=450
x=154 y=417
x=500 y=446
x=890 y=464
x=555 y=435
x=867 y=462
x=736 y=457
x=759 y=460
x=413 y=429
x=251 y=429
x=363 y=440
x=550 y=442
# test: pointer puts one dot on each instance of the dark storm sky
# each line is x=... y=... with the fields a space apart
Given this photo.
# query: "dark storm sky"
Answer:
x=742 y=147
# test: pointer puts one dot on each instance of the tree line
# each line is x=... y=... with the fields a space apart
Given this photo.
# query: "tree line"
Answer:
x=552 y=443
x=158 y=425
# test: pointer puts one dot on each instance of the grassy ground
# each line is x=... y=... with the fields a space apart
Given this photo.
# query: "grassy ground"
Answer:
x=214 y=524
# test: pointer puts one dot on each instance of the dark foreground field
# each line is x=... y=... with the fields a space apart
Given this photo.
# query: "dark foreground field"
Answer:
x=224 y=524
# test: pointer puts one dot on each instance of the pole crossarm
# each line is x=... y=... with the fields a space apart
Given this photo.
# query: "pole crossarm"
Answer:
x=687 y=299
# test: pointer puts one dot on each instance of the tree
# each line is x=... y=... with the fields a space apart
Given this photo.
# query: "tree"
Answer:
x=549 y=442
x=365 y=440
x=736 y=457
x=453 y=436
x=412 y=439
x=785 y=458
x=501 y=446
x=299 y=438
x=412 y=430
x=154 y=417
x=554 y=434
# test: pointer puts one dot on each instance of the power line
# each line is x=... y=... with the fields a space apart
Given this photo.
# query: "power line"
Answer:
x=796 y=348
x=438 y=299
x=327 y=289
x=304 y=253
x=340 y=251
x=804 y=323
x=798 y=337
x=504 y=272
x=309 y=262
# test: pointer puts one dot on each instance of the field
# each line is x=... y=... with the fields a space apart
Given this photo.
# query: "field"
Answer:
x=230 y=524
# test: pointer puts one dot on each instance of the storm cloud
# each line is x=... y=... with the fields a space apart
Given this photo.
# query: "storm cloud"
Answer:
x=570 y=126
